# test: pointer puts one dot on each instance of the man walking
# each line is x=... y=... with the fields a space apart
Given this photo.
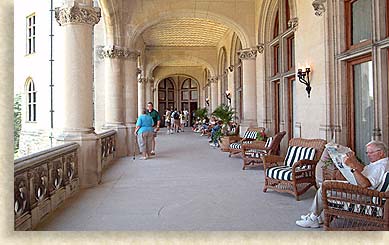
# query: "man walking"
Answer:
x=156 y=122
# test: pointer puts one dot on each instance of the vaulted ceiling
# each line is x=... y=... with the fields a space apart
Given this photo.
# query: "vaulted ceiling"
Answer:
x=184 y=32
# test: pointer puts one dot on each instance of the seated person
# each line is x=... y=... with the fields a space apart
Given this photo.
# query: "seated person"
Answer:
x=369 y=176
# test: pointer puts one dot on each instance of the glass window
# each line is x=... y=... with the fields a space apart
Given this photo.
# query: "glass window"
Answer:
x=363 y=107
x=361 y=21
x=30 y=34
x=31 y=101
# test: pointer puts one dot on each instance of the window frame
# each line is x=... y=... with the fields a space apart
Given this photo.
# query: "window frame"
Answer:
x=31 y=115
x=31 y=36
x=348 y=27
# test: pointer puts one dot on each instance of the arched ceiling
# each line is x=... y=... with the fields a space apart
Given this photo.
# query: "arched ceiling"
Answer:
x=184 y=32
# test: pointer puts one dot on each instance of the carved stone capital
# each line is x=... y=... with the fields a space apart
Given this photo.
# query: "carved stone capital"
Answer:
x=116 y=52
x=261 y=48
x=293 y=23
x=213 y=79
x=142 y=80
x=248 y=54
x=318 y=7
x=76 y=14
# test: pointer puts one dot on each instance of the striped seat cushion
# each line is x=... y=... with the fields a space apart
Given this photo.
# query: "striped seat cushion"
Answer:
x=384 y=186
x=250 y=135
x=254 y=153
x=280 y=172
x=237 y=145
x=268 y=141
x=297 y=153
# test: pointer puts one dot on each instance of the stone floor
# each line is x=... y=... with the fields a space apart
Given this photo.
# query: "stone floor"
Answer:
x=188 y=186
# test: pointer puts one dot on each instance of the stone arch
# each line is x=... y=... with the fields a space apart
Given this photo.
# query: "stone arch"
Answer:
x=151 y=67
x=153 y=20
x=266 y=19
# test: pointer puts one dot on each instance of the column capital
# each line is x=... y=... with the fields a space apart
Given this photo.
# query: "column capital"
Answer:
x=150 y=80
x=142 y=80
x=248 y=54
x=293 y=23
x=116 y=52
x=213 y=79
x=261 y=48
x=73 y=13
x=318 y=7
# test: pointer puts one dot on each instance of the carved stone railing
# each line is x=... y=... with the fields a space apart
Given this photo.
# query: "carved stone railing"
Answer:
x=108 y=147
x=42 y=182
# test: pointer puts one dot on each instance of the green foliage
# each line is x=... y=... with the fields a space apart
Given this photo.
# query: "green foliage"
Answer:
x=17 y=121
x=225 y=113
x=201 y=113
x=217 y=135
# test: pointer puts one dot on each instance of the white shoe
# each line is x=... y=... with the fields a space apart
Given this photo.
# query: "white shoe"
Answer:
x=310 y=222
x=143 y=158
x=306 y=216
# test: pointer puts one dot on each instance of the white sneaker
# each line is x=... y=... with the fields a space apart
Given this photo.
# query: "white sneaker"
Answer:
x=213 y=144
x=143 y=158
x=306 y=216
x=311 y=222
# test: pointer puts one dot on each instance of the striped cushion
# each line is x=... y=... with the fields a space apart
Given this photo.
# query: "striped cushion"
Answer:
x=255 y=153
x=280 y=172
x=268 y=141
x=297 y=153
x=235 y=146
x=250 y=135
x=384 y=186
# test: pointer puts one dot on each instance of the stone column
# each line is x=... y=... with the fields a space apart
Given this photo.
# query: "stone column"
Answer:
x=214 y=93
x=248 y=57
x=141 y=95
x=76 y=23
x=131 y=98
x=149 y=90
x=114 y=97
x=262 y=97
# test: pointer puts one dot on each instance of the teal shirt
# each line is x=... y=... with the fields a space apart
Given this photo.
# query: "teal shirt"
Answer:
x=145 y=122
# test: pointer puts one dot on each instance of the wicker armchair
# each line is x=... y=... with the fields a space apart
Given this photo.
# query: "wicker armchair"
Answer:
x=351 y=207
x=252 y=153
x=294 y=173
x=226 y=140
x=249 y=136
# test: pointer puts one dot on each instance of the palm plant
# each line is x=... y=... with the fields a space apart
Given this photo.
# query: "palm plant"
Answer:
x=225 y=113
x=201 y=113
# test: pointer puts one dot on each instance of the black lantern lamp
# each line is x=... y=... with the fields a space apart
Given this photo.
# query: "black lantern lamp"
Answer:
x=302 y=75
x=228 y=96
x=207 y=101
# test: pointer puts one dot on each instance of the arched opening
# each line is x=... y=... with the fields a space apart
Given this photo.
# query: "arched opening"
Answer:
x=223 y=74
x=189 y=97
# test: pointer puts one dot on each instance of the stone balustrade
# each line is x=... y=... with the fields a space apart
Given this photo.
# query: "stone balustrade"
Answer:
x=42 y=182
x=108 y=147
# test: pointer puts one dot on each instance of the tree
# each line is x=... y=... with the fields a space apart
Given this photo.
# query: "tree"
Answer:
x=17 y=121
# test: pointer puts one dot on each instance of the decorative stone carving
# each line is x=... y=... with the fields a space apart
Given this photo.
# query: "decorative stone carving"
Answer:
x=261 y=48
x=318 y=6
x=293 y=23
x=213 y=79
x=247 y=54
x=76 y=14
x=138 y=71
x=116 y=52
x=142 y=80
x=231 y=68
x=150 y=80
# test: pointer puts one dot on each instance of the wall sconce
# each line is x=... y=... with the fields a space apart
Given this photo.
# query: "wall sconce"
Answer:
x=228 y=96
x=231 y=68
x=301 y=76
x=207 y=101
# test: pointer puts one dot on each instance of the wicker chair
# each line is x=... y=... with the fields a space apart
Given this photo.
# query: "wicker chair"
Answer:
x=252 y=153
x=249 y=137
x=294 y=173
x=226 y=140
x=351 y=207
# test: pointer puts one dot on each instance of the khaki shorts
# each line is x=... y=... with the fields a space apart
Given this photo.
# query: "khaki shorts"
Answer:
x=145 y=141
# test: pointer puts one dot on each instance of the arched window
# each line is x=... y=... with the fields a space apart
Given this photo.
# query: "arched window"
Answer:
x=281 y=47
x=31 y=101
x=166 y=94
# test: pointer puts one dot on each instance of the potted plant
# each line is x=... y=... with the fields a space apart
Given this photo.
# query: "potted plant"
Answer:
x=226 y=114
x=201 y=113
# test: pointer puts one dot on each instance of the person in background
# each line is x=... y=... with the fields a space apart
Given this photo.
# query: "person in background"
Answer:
x=214 y=138
x=156 y=123
x=144 y=133
x=176 y=118
x=182 y=121
x=168 y=120
x=186 y=116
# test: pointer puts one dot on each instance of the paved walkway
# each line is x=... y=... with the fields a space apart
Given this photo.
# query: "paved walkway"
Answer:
x=188 y=186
